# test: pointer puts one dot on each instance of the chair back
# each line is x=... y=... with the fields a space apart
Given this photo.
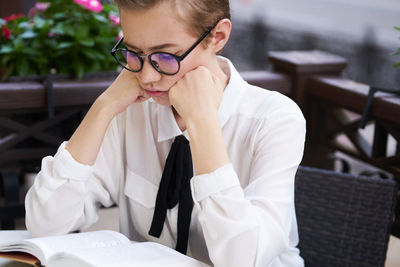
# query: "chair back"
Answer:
x=11 y=207
x=343 y=219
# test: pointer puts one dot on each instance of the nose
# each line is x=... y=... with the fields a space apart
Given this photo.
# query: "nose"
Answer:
x=148 y=74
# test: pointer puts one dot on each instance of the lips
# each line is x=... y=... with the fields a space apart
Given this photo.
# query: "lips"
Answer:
x=153 y=92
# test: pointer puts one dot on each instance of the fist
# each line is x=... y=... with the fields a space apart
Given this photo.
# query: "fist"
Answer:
x=124 y=91
x=197 y=95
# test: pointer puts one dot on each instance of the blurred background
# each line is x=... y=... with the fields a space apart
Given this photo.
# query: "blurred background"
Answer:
x=362 y=31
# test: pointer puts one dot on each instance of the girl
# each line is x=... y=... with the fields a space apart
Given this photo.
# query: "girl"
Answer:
x=236 y=204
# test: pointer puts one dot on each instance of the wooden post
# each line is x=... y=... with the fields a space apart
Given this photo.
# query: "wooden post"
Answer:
x=301 y=65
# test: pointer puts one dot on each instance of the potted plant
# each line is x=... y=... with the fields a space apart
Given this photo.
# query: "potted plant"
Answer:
x=63 y=36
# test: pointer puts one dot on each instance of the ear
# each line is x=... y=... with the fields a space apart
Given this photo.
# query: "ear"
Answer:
x=221 y=34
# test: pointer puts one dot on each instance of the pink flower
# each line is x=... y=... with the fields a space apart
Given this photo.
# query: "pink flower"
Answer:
x=5 y=32
x=42 y=6
x=93 y=5
x=81 y=2
x=114 y=19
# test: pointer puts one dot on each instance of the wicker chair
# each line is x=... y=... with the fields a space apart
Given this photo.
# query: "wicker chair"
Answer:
x=343 y=220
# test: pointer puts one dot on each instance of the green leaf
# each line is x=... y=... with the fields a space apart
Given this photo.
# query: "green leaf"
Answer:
x=86 y=42
x=32 y=52
x=18 y=44
x=39 y=22
x=100 y=18
x=82 y=31
x=28 y=35
x=23 y=67
x=5 y=59
x=79 y=70
x=24 y=25
x=59 y=16
x=93 y=54
x=68 y=29
x=5 y=49
x=64 y=45
x=397 y=28
x=396 y=65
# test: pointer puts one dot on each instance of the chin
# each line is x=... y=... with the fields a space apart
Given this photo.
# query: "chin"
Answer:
x=162 y=101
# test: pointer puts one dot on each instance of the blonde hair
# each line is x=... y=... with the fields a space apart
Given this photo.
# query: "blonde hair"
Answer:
x=198 y=15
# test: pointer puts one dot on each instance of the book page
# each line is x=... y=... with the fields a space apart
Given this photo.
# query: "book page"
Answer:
x=7 y=236
x=44 y=247
x=143 y=254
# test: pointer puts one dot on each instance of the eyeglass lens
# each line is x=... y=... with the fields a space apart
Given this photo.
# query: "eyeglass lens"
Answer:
x=163 y=62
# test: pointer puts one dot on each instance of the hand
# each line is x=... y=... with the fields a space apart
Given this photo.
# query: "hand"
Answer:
x=197 y=95
x=124 y=91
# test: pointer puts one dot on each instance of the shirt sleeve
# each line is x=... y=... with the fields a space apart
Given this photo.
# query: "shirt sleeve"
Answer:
x=67 y=194
x=252 y=224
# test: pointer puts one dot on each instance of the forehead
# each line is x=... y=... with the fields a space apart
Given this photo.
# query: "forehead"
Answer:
x=154 y=26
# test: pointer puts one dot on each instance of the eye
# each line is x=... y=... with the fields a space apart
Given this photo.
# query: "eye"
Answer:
x=155 y=64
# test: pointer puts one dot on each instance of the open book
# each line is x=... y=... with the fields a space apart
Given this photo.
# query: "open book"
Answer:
x=98 y=248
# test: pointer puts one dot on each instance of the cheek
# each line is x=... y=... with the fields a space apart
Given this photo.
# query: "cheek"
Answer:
x=192 y=62
x=199 y=57
x=169 y=81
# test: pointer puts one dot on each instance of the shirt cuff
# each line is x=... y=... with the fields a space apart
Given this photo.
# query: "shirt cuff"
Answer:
x=208 y=184
x=65 y=166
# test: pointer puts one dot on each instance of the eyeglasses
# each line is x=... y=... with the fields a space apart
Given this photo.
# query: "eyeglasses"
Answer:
x=163 y=62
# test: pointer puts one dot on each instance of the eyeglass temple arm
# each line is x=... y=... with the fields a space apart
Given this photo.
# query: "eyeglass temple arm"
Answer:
x=118 y=43
x=186 y=53
x=198 y=41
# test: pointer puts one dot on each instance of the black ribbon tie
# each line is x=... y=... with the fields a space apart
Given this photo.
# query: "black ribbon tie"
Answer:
x=175 y=188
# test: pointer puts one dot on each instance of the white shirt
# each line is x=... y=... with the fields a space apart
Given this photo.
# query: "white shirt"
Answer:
x=243 y=212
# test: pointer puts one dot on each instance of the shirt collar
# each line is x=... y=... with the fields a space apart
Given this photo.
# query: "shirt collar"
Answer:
x=167 y=126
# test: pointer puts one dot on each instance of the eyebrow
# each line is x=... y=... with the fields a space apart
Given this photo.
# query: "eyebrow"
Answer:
x=153 y=48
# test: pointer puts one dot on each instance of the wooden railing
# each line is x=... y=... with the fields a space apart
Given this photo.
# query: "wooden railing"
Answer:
x=33 y=120
x=335 y=108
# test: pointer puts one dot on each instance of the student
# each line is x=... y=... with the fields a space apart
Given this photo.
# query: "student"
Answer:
x=245 y=142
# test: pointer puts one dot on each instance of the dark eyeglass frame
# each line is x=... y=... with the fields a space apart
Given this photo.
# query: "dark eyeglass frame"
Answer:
x=178 y=58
